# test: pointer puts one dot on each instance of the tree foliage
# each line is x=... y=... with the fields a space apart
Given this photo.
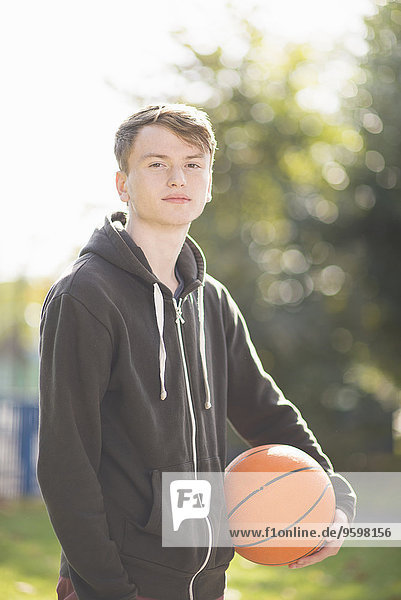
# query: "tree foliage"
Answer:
x=372 y=222
x=304 y=226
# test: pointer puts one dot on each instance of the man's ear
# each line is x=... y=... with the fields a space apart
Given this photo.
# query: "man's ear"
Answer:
x=209 y=189
x=121 y=185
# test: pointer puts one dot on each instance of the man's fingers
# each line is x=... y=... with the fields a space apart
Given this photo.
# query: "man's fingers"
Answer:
x=330 y=546
x=325 y=552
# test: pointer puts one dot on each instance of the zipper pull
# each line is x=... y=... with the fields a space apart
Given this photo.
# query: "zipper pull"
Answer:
x=178 y=311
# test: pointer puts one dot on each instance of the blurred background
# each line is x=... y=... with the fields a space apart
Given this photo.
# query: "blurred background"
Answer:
x=305 y=223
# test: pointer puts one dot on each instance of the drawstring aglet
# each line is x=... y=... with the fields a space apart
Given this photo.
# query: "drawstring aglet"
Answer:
x=159 y=309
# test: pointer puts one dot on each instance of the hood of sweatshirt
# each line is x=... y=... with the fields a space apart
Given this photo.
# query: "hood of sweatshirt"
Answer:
x=113 y=244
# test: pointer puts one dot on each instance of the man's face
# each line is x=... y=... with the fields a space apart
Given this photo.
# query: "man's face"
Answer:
x=169 y=181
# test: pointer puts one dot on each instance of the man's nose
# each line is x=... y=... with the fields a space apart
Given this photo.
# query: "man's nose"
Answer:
x=176 y=177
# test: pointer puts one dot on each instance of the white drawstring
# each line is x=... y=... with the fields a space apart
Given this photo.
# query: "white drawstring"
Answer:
x=202 y=344
x=159 y=308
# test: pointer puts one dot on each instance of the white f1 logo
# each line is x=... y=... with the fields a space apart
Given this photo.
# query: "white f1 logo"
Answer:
x=190 y=499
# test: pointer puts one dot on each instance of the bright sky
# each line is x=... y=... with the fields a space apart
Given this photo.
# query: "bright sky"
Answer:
x=59 y=111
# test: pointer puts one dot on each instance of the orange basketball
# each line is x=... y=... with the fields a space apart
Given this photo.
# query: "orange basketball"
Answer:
x=275 y=497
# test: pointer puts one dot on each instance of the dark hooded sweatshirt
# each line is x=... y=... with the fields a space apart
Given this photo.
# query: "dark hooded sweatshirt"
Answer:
x=134 y=383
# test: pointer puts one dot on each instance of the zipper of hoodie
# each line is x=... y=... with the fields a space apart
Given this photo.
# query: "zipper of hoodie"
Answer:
x=179 y=321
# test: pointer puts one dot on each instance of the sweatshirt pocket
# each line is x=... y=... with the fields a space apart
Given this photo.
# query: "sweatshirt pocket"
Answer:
x=154 y=522
x=143 y=540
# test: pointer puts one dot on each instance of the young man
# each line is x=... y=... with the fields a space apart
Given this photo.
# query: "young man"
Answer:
x=143 y=359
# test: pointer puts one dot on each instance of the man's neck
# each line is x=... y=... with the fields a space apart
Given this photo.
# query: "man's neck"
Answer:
x=161 y=247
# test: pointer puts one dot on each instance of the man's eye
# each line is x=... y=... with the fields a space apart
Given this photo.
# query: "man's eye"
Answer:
x=194 y=166
x=157 y=164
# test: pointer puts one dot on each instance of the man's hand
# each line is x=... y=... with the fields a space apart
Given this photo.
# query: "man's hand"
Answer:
x=330 y=548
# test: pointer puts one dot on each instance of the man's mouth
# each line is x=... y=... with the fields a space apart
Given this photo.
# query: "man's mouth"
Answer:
x=177 y=199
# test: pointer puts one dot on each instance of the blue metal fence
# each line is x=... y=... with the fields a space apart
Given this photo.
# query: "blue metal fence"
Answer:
x=19 y=423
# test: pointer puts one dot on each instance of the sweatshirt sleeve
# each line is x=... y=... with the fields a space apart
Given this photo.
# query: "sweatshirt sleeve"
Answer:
x=75 y=363
x=259 y=412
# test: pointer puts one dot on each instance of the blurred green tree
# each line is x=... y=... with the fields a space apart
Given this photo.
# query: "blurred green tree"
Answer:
x=372 y=217
x=303 y=227
x=294 y=232
x=20 y=304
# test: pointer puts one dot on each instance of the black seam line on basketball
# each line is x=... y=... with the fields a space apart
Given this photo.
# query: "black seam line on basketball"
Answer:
x=245 y=457
x=309 y=553
x=266 y=484
x=289 y=526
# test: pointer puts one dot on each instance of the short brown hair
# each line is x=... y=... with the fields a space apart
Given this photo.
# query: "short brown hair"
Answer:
x=187 y=122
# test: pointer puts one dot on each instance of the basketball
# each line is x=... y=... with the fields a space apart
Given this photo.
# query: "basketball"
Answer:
x=275 y=494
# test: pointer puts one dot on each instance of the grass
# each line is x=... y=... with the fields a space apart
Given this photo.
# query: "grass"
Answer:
x=29 y=562
x=354 y=574
x=29 y=552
